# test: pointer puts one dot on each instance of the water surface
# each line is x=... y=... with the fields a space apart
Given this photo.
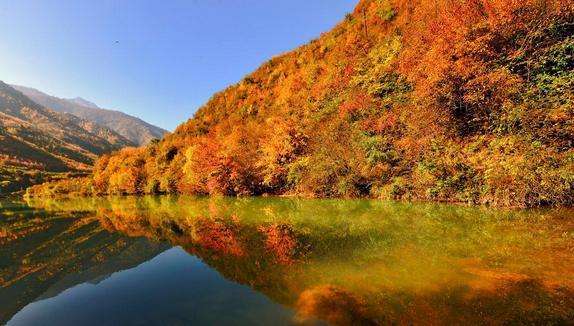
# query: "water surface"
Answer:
x=186 y=260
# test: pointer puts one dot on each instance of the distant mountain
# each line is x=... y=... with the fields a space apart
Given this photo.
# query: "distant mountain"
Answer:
x=132 y=128
x=42 y=139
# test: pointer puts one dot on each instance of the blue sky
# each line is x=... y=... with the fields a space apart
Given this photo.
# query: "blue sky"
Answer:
x=158 y=60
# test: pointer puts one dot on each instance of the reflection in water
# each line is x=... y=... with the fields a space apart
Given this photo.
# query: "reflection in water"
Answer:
x=44 y=253
x=172 y=288
x=341 y=261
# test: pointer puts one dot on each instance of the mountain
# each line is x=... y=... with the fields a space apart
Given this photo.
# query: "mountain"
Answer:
x=137 y=131
x=459 y=101
x=56 y=141
x=34 y=139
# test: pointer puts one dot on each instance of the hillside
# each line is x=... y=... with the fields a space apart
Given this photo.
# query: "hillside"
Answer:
x=33 y=138
x=467 y=101
x=136 y=130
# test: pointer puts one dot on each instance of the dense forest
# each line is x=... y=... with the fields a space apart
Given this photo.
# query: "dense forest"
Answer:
x=467 y=101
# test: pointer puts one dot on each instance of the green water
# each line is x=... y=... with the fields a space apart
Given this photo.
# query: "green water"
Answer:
x=185 y=260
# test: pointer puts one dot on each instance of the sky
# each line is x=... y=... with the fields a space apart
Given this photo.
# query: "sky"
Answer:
x=159 y=60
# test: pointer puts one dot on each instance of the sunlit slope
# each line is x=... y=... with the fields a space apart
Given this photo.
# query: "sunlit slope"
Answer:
x=37 y=143
x=438 y=100
x=135 y=130
x=33 y=136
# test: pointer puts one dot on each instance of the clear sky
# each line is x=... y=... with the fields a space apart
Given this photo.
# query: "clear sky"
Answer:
x=156 y=59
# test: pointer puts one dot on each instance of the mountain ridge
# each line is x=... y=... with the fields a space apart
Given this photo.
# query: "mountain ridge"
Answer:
x=54 y=132
x=135 y=129
x=83 y=102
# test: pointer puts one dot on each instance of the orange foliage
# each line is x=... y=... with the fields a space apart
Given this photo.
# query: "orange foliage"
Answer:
x=219 y=237
x=403 y=99
x=332 y=304
x=282 y=242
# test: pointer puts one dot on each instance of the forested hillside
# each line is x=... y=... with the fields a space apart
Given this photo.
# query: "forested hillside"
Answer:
x=444 y=100
x=34 y=139
x=135 y=130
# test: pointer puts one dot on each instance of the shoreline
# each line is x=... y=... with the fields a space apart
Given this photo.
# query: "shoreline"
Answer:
x=299 y=197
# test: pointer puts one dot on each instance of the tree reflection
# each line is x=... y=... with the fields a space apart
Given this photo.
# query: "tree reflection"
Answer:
x=361 y=262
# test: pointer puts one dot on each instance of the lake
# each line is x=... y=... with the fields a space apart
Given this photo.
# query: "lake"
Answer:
x=281 y=261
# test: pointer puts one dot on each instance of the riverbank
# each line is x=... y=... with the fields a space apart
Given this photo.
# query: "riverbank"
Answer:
x=82 y=187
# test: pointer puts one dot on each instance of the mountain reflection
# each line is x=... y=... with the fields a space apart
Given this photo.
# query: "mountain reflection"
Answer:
x=342 y=261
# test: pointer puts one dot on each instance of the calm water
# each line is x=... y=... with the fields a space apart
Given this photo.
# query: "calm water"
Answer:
x=271 y=261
